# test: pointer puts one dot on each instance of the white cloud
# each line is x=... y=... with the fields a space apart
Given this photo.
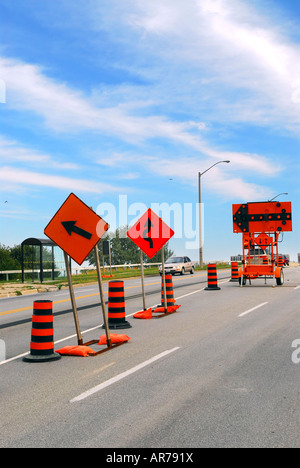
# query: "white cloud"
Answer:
x=12 y=175
x=22 y=214
x=220 y=57
x=12 y=151
x=220 y=180
x=226 y=45
x=65 y=109
x=252 y=163
x=205 y=61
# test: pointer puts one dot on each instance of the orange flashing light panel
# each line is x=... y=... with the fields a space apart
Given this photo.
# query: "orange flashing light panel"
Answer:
x=262 y=217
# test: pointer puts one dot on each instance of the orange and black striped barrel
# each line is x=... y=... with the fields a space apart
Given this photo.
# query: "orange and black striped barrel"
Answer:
x=212 y=279
x=280 y=261
x=234 y=272
x=42 y=333
x=116 y=305
x=265 y=260
x=169 y=291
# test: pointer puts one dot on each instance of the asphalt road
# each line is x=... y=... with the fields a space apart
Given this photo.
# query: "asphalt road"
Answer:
x=217 y=373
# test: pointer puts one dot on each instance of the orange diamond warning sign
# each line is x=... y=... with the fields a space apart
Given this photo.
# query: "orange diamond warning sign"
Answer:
x=150 y=233
x=76 y=228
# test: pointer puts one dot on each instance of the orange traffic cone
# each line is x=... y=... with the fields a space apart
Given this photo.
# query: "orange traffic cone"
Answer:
x=234 y=272
x=42 y=340
x=212 y=279
x=116 y=305
x=170 y=306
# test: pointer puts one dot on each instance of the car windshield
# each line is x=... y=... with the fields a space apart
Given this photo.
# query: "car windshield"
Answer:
x=175 y=260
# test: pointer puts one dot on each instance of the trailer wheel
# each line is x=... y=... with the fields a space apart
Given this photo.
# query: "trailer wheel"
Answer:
x=280 y=280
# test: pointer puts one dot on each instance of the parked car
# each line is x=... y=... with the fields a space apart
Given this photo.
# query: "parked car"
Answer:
x=286 y=261
x=180 y=265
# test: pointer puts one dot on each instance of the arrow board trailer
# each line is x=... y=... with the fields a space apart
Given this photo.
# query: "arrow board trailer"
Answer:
x=261 y=224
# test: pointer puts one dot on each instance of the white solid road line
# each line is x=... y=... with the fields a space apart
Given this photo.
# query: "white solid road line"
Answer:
x=189 y=294
x=121 y=376
x=253 y=308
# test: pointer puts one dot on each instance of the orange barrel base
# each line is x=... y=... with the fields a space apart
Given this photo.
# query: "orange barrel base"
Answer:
x=42 y=334
x=116 y=306
x=144 y=314
x=162 y=310
x=212 y=280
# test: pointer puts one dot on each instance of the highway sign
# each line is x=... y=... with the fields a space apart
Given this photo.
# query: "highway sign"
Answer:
x=76 y=228
x=150 y=233
x=262 y=217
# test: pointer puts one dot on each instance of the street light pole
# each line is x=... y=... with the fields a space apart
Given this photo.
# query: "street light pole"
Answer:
x=200 y=211
x=200 y=222
x=283 y=193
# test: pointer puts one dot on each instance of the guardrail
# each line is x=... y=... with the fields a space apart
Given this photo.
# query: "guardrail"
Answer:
x=75 y=270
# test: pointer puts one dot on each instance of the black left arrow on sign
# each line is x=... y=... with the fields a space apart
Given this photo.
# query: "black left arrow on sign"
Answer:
x=70 y=227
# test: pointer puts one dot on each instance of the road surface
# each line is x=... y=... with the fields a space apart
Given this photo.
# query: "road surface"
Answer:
x=217 y=373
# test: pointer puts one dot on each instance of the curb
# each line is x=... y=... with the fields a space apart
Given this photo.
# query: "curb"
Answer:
x=26 y=292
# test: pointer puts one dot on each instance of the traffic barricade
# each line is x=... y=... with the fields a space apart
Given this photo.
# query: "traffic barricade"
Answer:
x=170 y=306
x=116 y=305
x=234 y=272
x=212 y=278
x=42 y=333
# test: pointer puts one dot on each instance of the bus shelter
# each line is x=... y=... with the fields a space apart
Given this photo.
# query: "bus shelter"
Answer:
x=40 y=259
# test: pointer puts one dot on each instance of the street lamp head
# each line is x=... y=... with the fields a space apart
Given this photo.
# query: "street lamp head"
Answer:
x=283 y=193
x=219 y=162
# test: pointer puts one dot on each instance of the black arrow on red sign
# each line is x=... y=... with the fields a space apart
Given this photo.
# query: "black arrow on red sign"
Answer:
x=70 y=227
x=147 y=228
x=242 y=217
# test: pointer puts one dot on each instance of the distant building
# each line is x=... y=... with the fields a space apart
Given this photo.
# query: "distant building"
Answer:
x=237 y=258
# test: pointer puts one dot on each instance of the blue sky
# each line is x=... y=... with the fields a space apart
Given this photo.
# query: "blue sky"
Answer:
x=110 y=98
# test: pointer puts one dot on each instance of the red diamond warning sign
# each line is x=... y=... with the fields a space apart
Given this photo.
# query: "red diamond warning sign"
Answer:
x=76 y=228
x=150 y=233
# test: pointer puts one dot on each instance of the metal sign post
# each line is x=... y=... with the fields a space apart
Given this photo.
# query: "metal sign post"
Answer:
x=109 y=258
x=72 y=295
x=102 y=297
x=143 y=280
x=164 y=278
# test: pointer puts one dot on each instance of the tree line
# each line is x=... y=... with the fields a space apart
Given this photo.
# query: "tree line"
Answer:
x=10 y=257
x=123 y=251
